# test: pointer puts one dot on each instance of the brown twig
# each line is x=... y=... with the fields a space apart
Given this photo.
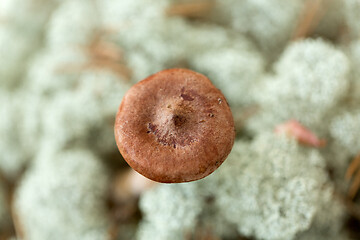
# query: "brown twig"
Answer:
x=115 y=67
x=107 y=55
x=309 y=19
x=19 y=229
x=201 y=234
x=102 y=54
x=9 y=191
x=129 y=185
x=193 y=9
x=353 y=171
x=352 y=208
x=125 y=190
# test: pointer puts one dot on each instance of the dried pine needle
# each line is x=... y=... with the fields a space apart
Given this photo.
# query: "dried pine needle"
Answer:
x=309 y=19
x=192 y=9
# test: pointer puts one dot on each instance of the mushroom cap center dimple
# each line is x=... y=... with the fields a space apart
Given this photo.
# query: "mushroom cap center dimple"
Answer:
x=178 y=120
x=173 y=124
x=177 y=115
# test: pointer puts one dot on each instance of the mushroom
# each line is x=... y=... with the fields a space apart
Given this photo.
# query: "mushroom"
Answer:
x=174 y=126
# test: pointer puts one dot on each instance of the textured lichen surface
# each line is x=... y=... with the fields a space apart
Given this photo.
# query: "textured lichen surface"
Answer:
x=66 y=65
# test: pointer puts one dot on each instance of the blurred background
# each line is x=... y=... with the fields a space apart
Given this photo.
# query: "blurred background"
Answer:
x=288 y=65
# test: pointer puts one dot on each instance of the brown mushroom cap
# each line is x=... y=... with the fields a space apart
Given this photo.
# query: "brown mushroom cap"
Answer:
x=174 y=126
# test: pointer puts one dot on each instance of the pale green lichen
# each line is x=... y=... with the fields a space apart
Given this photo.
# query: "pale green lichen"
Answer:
x=133 y=24
x=352 y=13
x=329 y=219
x=271 y=181
x=345 y=129
x=73 y=23
x=269 y=23
x=69 y=202
x=230 y=61
x=58 y=88
x=12 y=159
x=309 y=80
x=21 y=36
x=170 y=212
x=83 y=116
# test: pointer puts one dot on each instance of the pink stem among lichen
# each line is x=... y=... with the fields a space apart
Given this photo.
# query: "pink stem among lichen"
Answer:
x=293 y=128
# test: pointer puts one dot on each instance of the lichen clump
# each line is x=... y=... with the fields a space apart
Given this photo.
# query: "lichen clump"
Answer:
x=66 y=65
